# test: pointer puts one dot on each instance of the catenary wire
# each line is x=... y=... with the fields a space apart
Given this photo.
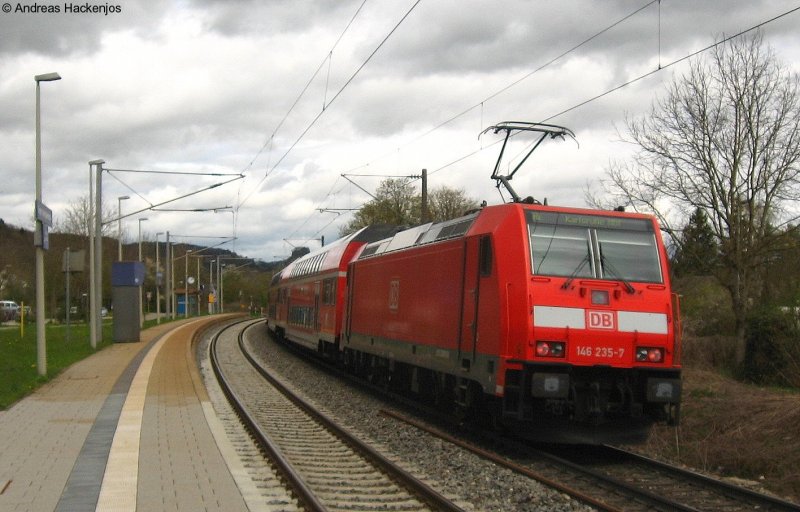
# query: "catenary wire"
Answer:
x=333 y=99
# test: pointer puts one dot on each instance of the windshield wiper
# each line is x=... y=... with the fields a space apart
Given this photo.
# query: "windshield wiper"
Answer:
x=575 y=272
x=616 y=274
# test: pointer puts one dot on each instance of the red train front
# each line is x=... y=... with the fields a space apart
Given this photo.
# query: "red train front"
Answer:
x=538 y=315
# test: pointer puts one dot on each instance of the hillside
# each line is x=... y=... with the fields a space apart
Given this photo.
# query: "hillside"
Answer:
x=245 y=279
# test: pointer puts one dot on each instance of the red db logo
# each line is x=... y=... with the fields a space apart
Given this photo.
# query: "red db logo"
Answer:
x=394 y=294
x=601 y=320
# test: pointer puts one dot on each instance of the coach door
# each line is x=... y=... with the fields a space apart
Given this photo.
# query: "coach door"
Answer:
x=476 y=252
x=316 y=307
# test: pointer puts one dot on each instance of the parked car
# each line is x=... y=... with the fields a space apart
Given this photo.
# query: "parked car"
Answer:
x=8 y=310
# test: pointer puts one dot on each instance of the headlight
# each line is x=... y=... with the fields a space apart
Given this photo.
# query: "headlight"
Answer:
x=649 y=354
x=550 y=349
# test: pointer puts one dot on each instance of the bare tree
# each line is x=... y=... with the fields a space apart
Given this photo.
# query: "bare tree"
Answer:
x=78 y=219
x=725 y=139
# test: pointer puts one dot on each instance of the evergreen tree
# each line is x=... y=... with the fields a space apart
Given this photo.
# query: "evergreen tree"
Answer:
x=698 y=252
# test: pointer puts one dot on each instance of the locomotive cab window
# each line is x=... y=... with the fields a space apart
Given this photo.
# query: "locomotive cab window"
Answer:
x=594 y=247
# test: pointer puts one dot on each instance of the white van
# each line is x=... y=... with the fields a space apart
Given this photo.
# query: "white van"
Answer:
x=8 y=310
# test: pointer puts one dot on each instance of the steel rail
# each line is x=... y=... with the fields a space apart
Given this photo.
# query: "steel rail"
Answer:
x=426 y=493
x=298 y=485
x=759 y=500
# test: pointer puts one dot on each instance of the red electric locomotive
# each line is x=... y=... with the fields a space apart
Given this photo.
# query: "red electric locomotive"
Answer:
x=541 y=315
x=536 y=316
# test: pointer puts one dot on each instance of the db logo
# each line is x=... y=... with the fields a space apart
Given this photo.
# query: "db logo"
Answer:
x=601 y=320
x=394 y=294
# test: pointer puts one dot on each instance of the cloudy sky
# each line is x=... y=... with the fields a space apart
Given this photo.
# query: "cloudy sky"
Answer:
x=291 y=94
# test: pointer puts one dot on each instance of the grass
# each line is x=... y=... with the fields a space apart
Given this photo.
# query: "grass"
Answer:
x=737 y=430
x=18 y=372
x=18 y=356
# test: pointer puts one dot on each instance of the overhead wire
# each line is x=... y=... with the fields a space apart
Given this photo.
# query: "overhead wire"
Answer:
x=332 y=100
x=638 y=78
x=660 y=67
x=305 y=88
x=512 y=84
x=483 y=101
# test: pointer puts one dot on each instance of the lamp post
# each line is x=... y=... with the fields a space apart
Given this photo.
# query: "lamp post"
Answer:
x=93 y=306
x=119 y=225
x=97 y=291
x=186 y=284
x=158 y=292
x=141 y=289
x=41 y=341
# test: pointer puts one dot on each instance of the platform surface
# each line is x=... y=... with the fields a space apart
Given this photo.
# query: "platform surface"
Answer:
x=126 y=429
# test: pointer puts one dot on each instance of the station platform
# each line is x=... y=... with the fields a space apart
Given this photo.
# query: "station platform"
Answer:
x=129 y=428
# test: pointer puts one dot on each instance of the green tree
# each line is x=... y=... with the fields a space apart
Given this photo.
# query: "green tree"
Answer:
x=725 y=138
x=697 y=253
x=397 y=202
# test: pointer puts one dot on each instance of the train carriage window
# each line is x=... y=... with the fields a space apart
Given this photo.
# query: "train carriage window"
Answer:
x=329 y=291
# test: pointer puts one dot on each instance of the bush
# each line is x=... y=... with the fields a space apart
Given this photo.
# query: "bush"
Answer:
x=705 y=306
x=772 y=355
x=709 y=352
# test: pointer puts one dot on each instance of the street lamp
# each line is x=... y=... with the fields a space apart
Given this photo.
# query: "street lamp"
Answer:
x=186 y=284
x=119 y=224
x=96 y=295
x=158 y=289
x=41 y=341
x=141 y=289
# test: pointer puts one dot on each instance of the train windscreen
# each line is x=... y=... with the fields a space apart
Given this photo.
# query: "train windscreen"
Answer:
x=594 y=247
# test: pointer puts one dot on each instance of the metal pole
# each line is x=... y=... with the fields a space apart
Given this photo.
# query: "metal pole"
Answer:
x=210 y=286
x=141 y=288
x=186 y=284
x=425 y=211
x=92 y=303
x=98 y=251
x=67 y=293
x=158 y=288
x=198 y=286
x=167 y=276
x=218 y=307
x=41 y=340
x=119 y=225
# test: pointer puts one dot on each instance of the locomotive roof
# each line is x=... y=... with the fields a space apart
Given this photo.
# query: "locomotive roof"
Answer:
x=424 y=234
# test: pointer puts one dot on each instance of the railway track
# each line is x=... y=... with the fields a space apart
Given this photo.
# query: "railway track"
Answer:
x=616 y=480
x=326 y=467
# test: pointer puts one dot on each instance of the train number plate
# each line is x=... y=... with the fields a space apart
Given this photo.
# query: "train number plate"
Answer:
x=600 y=353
